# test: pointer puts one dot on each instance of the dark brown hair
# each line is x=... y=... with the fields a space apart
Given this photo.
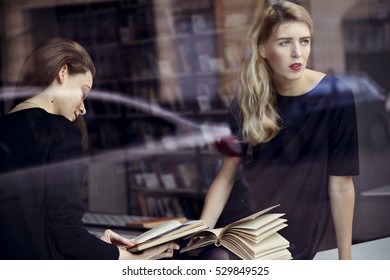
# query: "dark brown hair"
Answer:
x=42 y=66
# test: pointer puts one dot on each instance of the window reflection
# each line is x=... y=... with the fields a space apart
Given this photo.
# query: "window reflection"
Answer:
x=183 y=57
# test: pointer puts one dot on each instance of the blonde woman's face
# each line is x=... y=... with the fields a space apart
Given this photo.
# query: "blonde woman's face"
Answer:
x=69 y=101
x=287 y=51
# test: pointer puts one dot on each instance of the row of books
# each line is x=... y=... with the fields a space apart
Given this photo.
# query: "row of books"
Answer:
x=152 y=206
x=180 y=58
x=201 y=95
x=181 y=173
x=87 y=24
x=171 y=18
x=102 y=32
x=144 y=71
x=177 y=18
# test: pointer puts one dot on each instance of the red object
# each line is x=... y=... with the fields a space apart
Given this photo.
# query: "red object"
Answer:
x=230 y=146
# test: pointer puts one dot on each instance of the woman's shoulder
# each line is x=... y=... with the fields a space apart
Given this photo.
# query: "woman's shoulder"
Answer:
x=63 y=135
x=39 y=116
x=314 y=77
x=326 y=83
x=24 y=118
x=40 y=122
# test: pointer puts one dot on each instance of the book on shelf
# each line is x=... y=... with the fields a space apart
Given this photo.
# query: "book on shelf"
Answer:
x=184 y=54
x=253 y=237
x=199 y=22
x=233 y=55
x=181 y=22
x=168 y=181
x=188 y=174
x=163 y=205
x=204 y=51
x=150 y=180
x=166 y=232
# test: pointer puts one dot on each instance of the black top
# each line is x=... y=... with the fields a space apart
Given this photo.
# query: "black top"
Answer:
x=41 y=173
x=318 y=139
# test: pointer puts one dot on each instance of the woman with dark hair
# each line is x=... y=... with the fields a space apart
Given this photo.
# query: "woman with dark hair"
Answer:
x=41 y=171
x=301 y=126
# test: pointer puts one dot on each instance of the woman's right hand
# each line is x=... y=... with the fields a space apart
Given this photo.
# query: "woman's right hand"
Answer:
x=195 y=252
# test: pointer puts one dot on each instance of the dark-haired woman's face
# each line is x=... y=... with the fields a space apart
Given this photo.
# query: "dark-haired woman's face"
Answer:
x=287 y=50
x=69 y=100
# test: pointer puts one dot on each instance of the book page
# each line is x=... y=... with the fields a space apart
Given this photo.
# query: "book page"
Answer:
x=260 y=233
x=234 y=244
x=170 y=235
x=214 y=231
x=247 y=249
x=271 y=243
x=282 y=254
x=190 y=225
x=158 y=230
x=250 y=217
x=256 y=222
x=206 y=240
x=261 y=236
x=154 y=222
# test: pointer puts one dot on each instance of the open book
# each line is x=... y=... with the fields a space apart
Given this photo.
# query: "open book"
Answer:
x=254 y=237
x=154 y=222
x=166 y=232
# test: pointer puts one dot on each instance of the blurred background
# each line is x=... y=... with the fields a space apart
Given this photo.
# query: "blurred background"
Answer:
x=166 y=73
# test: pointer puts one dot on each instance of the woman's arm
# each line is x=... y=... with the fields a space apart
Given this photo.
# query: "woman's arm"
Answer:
x=342 y=202
x=219 y=191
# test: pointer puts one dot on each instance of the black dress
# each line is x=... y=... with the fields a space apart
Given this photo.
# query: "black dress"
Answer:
x=319 y=138
x=41 y=173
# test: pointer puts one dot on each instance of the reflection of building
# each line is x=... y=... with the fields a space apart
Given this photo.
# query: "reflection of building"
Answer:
x=352 y=36
x=328 y=46
x=344 y=30
x=367 y=40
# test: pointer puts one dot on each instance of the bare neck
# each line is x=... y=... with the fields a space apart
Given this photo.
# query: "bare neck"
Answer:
x=305 y=83
x=40 y=100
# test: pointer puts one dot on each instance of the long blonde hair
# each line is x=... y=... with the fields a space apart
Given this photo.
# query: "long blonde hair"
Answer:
x=256 y=95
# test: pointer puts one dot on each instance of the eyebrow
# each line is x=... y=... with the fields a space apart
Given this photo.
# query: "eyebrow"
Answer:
x=289 y=38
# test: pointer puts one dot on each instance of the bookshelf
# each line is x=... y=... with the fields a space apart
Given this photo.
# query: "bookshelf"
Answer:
x=171 y=185
x=367 y=43
x=183 y=56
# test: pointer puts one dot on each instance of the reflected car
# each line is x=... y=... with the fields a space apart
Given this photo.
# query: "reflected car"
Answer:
x=115 y=120
x=372 y=116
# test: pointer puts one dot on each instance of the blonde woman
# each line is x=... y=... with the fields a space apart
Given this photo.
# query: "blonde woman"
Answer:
x=301 y=127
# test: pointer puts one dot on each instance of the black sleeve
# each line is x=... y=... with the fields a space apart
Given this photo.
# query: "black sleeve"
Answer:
x=234 y=144
x=343 y=142
x=64 y=206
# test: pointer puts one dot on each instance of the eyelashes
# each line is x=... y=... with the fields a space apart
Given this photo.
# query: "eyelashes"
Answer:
x=303 y=42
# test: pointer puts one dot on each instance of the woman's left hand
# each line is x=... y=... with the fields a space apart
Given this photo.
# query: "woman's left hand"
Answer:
x=112 y=237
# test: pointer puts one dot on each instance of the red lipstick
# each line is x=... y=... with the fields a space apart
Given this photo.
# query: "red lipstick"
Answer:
x=296 y=66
